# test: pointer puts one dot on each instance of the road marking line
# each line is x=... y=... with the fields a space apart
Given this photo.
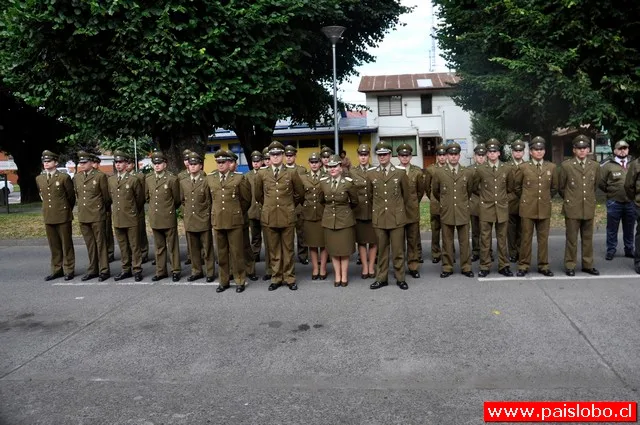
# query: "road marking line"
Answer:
x=80 y=284
x=191 y=284
x=530 y=277
x=134 y=283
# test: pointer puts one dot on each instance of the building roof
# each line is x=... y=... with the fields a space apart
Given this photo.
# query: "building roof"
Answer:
x=404 y=82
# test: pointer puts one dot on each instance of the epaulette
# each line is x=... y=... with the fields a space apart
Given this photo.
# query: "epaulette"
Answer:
x=290 y=166
x=399 y=167
x=264 y=167
x=371 y=168
x=324 y=178
x=237 y=172
x=349 y=179
x=213 y=173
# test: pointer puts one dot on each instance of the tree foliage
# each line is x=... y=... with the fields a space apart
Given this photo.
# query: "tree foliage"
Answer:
x=484 y=128
x=535 y=65
x=174 y=69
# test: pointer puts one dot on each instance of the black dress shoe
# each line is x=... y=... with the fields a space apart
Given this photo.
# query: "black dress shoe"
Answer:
x=475 y=257
x=187 y=262
x=445 y=274
x=483 y=273
x=435 y=260
x=159 y=277
x=513 y=259
x=54 y=276
x=592 y=271
x=402 y=285
x=336 y=284
x=89 y=276
x=274 y=286
x=506 y=271
x=304 y=261
x=468 y=274
x=629 y=255
x=378 y=285
x=546 y=272
x=175 y=277
x=414 y=273
x=358 y=261
x=315 y=276
x=103 y=277
x=211 y=278
x=69 y=276
x=521 y=273
x=137 y=277
x=230 y=277
x=570 y=272
x=344 y=284
x=153 y=263
x=221 y=288
x=122 y=275
x=145 y=260
x=421 y=261
x=609 y=256
x=111 y=258
x=266 y=277
x=293 y=286
x=240 y=288
x=195 y=277
x=252 y=277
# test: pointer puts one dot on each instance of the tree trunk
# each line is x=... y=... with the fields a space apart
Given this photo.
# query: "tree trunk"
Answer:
x=29 y=166
x=253 y=137
x=173 y=143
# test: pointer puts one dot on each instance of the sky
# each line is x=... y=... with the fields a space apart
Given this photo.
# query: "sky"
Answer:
x=404 y=50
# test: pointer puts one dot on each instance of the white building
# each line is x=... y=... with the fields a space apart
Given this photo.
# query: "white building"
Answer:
x=417 y=109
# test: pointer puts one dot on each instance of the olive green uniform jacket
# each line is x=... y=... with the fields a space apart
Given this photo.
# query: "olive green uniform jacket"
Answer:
x=632 y=181
x=127 y=196
x=577 y=186
x=338 y=203
x=389 y=195
x=493 y=189
x=58 y=197
x=612 y=178
x=453 y=193
x=92 y=196
x=255 y=210
x=163 y=196
x=535 y=188
x=434 y=205
x=196 y=203
x=230 y=200
x=359 y=175
x=279 y=196
x=417 y=189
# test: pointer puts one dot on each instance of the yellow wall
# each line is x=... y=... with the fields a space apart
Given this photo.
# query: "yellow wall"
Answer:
x=350 y=145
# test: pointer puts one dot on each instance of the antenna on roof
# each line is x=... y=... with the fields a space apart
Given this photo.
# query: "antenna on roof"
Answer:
x=432 y=51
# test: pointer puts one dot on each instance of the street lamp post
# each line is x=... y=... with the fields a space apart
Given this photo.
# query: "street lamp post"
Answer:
x=333 y=33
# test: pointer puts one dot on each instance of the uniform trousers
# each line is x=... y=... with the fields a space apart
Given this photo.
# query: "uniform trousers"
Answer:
x=542 y=238
x=94 y=238
x=128 y=241
x=514 y=235
x=447 y=245
x=250 y=261
x=231 y=255
x=390 y=239
x=63 y=255
x=279 y=243
x=585 y=227
x=412 y=234
x=143 y=240
x=267 y=253
x=485 y=244
x=255 y=231
x=475 y=234
x=302 y=249
x=166 y=240
x=108 y=234
x=436 y=228
x=188 y=247
x=202 y=247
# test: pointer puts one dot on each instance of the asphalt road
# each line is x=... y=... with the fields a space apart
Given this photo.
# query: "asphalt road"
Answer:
x=182 y=354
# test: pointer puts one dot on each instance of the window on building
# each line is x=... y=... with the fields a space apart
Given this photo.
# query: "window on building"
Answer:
x=397 y=141
x=389 y=105
x=426 y=104
x=308 y=143
x=213 y=148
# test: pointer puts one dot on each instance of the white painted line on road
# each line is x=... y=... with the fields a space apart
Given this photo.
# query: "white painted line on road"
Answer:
x=535 y=276
x=191 y=284
x=80 y=284
x=79 y=298
x=134 y=283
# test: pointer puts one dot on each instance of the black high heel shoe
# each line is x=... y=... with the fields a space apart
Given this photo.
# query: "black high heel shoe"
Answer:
x=315 y=276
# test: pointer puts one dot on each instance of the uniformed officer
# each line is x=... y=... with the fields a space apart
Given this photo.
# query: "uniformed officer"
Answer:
x=577 y=183
x=479 y=158
x=108 y=229
x=325 y=154
x=312 y=211
x=536 y=182
x=58 y=199
x=143 y=240
x=92 y=194
x=452 y=187
x=339 y=196
x=255 y=228
x=290 y=153
x=415 y=175
x=127 y=195
x=365 y=234
x=514 y=229
x=266 y=160
x=196 y=208
x=184 y=174
x=493 y=182
x=231 y=199
x=162 y=192
x=619 y=205
x=434 y=205
x=388 y=188
x=279 y=189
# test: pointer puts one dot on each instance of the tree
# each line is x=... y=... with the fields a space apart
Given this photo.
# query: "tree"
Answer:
x=25 y=132
x=535 y=65
x=177 y=68
x=484 y=128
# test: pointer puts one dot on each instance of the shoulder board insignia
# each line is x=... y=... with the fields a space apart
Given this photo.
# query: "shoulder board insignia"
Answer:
x=349 y=179
x=213 y=173
x=290 y=166
x=237 y=172
x=399 y=167
x=324 y=178
x=372 y=168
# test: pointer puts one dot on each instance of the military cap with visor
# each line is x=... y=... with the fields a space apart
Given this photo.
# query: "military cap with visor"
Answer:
x=120 y=156
x=265 y=153
x=537 y=143
x=194 y=158
x=84 y=156
x=493 y=145
x=222 y=155
x=290 y=150
x=96 y=158
x=453 y=148
x=314 y=157
x=47 y=155
x=480 y=149
x=186 y=154
x=234 y=156
x=581 y=141
x=256 y=156
x=621 y=144
x=517 y=145
x=158 y=157
x=326 y=152
x=404 y=149
x=383 y=148
x=441 y=150
x=334 y=160
x=364 y=149
x=276 y=148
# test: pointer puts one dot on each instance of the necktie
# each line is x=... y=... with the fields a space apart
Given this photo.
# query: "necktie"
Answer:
x=335 y=185
x=582 y=164
x=315 y=177
x=624 y=164
x=386 y=171
x=193 y=179
x=224 y=177
x=538 y=166
x=48 y=176
x=494 y=168
x=275 y=173
x=454 y=172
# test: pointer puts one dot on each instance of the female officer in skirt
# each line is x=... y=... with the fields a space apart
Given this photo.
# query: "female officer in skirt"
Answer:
x=312 y=217
x=339 y=196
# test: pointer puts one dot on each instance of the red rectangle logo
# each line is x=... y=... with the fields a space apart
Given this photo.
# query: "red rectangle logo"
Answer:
x=560 y=411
